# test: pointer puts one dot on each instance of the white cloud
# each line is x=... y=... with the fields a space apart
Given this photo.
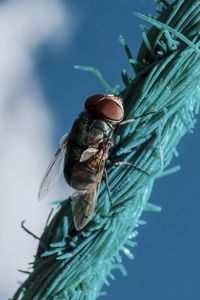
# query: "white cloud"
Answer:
x=25 y=127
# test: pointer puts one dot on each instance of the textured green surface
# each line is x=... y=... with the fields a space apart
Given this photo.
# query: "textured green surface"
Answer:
x=71 y=265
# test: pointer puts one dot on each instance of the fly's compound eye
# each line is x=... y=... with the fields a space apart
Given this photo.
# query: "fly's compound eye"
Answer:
x=108 y=107
x=92 y=101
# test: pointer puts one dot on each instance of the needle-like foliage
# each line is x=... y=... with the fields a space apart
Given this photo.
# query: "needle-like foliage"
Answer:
x=165 y=93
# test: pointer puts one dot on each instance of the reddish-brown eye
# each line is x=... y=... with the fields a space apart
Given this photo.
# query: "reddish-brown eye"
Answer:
x=93 y=100
x=108 y=107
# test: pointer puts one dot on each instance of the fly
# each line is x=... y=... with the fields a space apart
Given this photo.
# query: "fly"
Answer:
x=83 y=152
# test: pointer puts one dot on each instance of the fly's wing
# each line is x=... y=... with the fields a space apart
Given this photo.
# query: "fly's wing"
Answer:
x=54 y=170
x=88 y=153
x=63 y=140
x=93 y=151
x=84 y=203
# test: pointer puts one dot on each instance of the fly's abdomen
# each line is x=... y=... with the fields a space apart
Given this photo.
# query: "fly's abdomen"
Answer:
x=82 y=177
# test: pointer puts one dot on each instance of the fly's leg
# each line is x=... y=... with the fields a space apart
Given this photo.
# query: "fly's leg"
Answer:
x=125 y=163
x=107 y=186
x=137 y=117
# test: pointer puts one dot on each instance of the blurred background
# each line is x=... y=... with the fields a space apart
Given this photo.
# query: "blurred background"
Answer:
x=40 y=96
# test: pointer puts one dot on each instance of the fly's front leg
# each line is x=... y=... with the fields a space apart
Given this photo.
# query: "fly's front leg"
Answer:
x=125 y=163
x=127 y=121
x=136 y=117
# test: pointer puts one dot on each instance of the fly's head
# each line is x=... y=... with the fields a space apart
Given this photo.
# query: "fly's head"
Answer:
x=107 y=107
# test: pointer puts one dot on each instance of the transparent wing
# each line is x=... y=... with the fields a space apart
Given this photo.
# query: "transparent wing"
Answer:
x=63 y=140
x=53 y=171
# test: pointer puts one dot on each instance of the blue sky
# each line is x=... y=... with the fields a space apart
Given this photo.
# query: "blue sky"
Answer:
x=42 y=94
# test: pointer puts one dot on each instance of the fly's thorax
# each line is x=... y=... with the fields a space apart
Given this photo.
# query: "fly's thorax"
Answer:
x=88 y=130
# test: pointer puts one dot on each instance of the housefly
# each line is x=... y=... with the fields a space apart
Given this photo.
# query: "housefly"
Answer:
x=83 y=152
